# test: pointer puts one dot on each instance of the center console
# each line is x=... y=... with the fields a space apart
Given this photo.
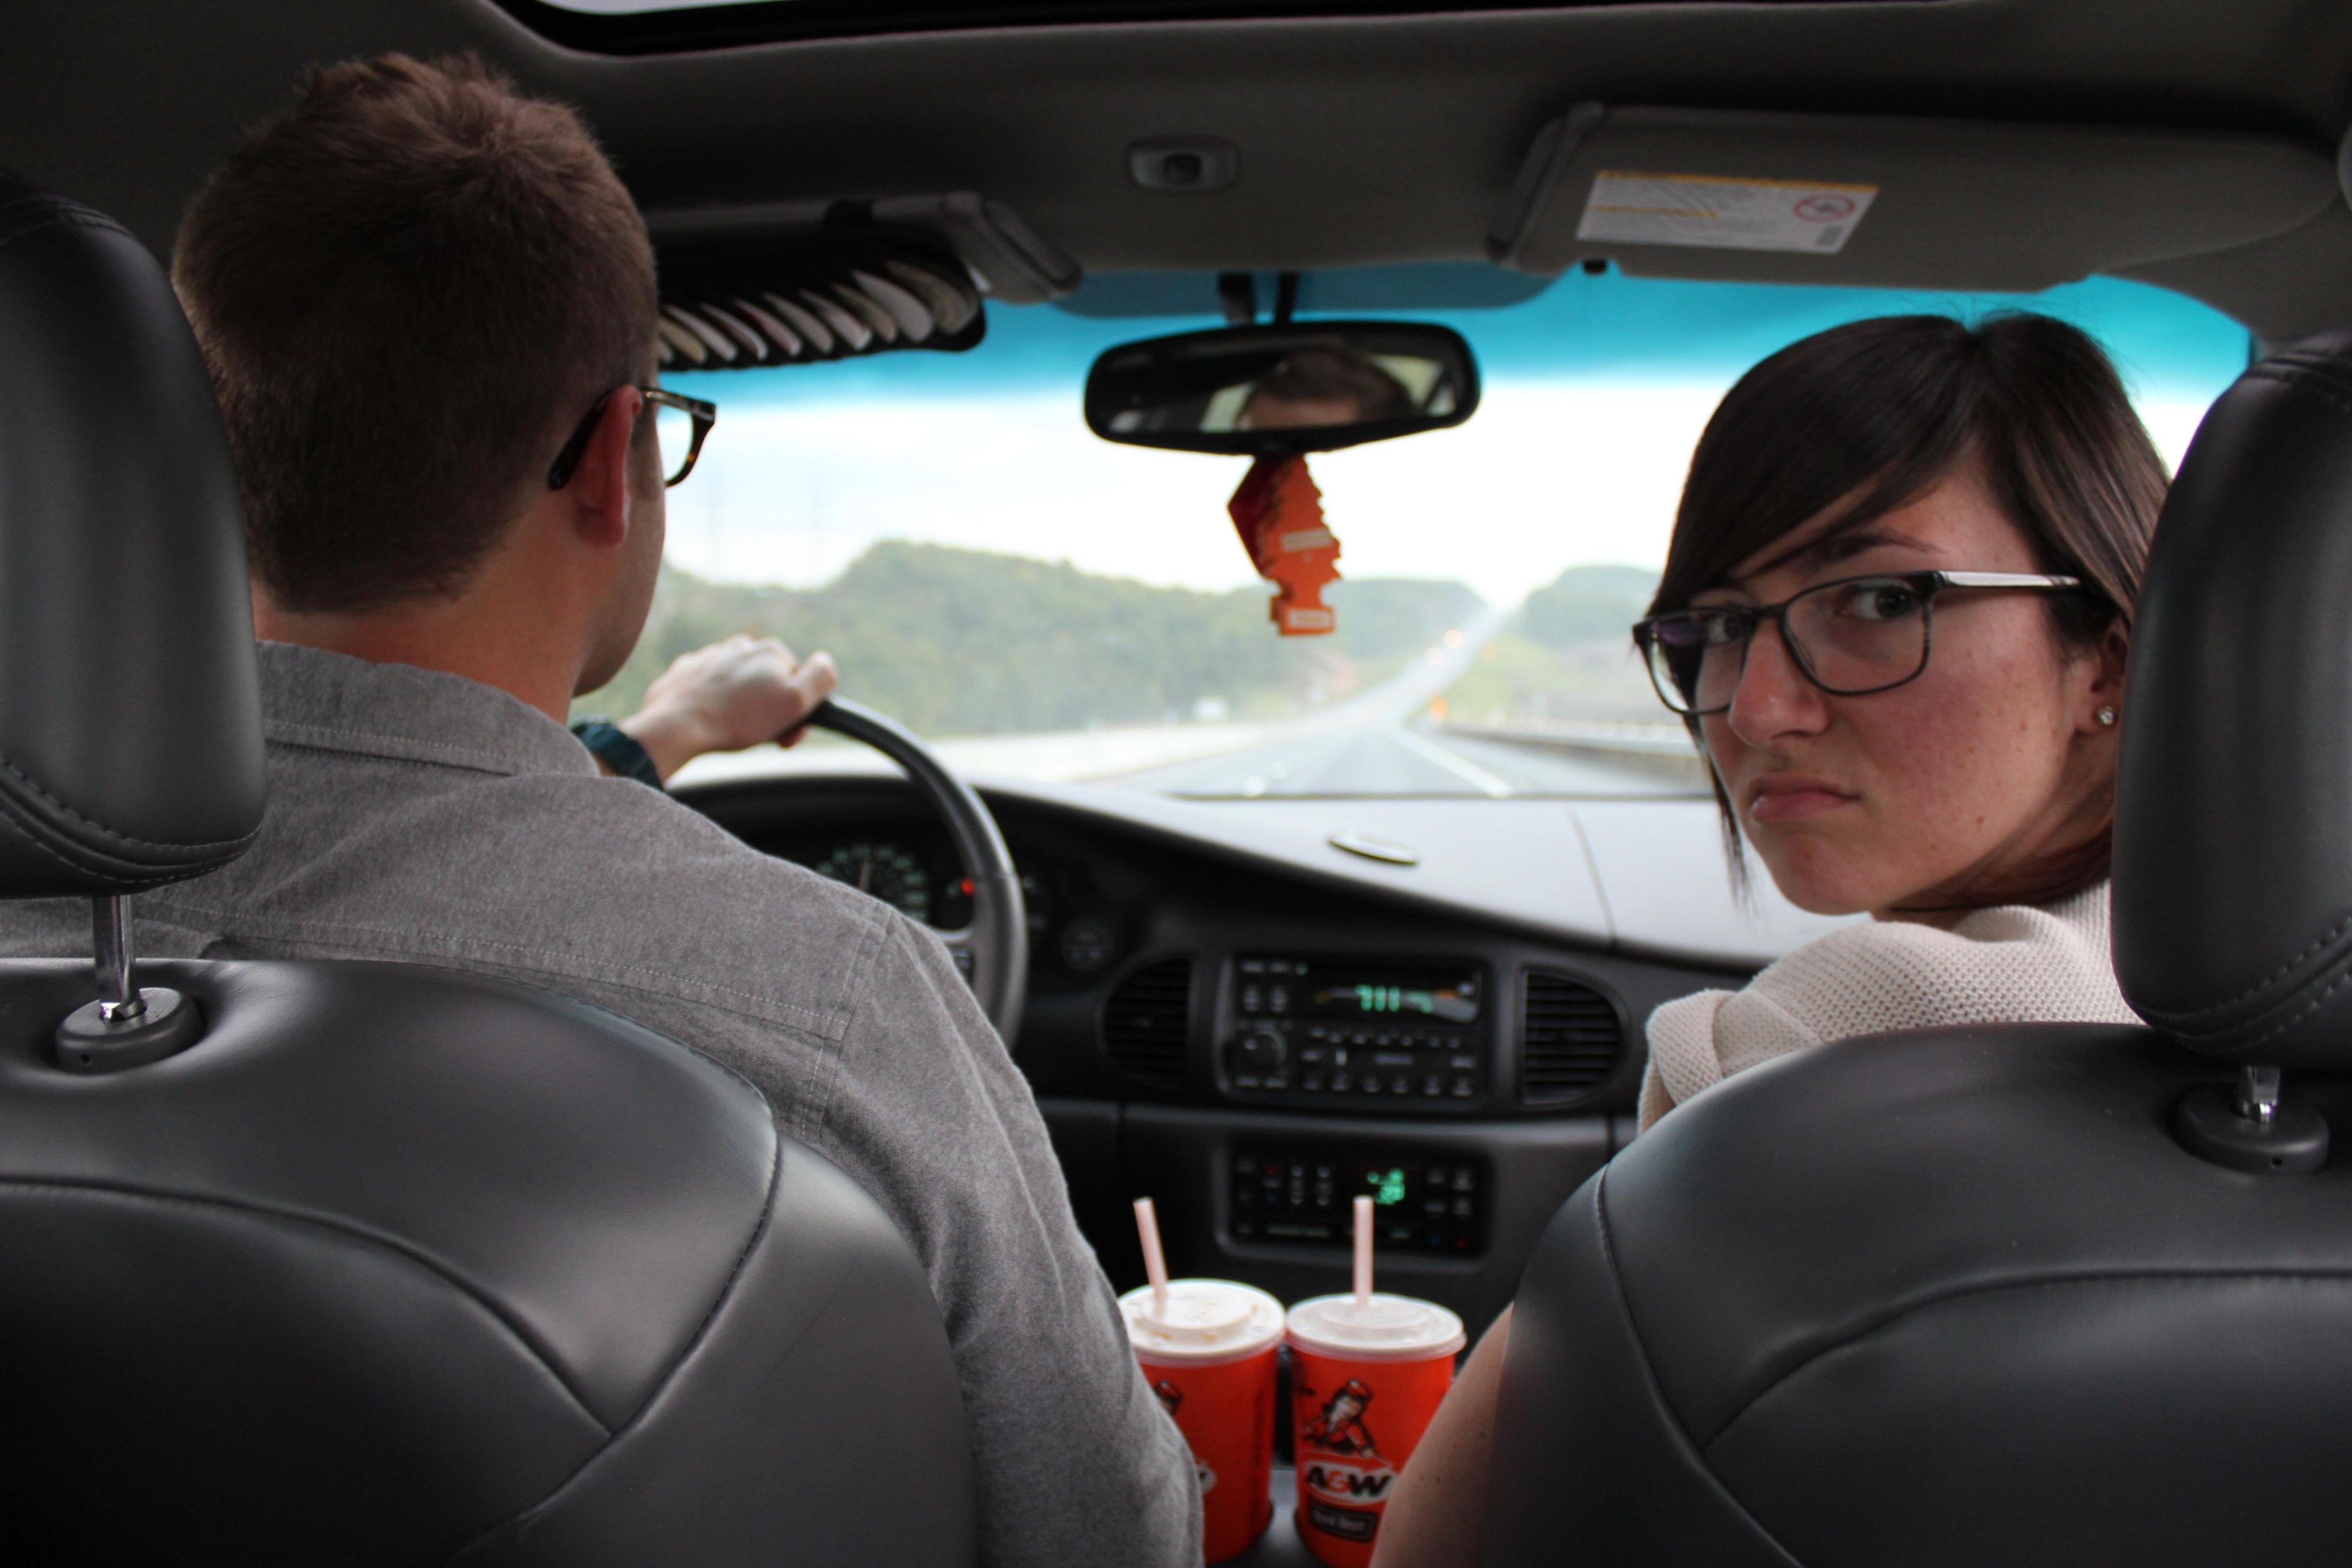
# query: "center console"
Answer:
x=1357 y=1033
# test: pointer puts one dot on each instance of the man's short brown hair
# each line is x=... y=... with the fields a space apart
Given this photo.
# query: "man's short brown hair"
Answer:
x=409 y=284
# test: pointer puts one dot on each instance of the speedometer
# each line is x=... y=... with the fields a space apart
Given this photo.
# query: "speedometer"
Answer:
x=889 y=872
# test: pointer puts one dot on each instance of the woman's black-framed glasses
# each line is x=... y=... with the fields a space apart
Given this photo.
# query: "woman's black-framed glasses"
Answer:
x=1851 y=637
x=680 y=423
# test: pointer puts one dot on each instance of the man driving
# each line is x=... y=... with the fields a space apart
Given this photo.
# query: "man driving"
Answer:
x=427 y=304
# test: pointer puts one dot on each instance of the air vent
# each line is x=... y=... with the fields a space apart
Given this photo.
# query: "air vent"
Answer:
x=1569 y=1039
x=1147 y=1025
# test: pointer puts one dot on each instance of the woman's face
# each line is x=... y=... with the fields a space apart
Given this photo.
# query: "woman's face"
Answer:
x=1991 y=759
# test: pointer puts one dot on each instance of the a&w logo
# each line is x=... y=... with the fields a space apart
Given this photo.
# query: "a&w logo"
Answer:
x=1355 y=1484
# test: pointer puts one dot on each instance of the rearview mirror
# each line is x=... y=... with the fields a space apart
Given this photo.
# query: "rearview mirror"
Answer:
x=1310 y=387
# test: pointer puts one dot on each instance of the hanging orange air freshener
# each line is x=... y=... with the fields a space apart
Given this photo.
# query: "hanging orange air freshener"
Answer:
x=1278 y=513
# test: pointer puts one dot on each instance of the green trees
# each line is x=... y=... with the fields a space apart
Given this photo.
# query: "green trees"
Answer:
x=962 y=642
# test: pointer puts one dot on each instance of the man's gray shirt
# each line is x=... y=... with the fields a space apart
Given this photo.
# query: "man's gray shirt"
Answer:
x=424 y=817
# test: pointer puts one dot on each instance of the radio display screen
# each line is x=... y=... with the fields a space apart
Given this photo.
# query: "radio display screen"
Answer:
x=1450 y=994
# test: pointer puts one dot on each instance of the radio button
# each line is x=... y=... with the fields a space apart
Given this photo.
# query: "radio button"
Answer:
x=1393 y=1058
x=1462 y=1063
x=1312 y=1082
x=1433 y=1086
x=1341 y=1083
x=1465 y=1087
x=1399 y=1084
x=1251 y=1001
x=1277 y=999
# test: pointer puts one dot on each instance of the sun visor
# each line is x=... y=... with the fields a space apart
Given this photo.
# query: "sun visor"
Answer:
x=1891 y=202
x=800 y=281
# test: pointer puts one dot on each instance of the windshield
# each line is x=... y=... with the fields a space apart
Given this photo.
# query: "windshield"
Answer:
x=1047 y=605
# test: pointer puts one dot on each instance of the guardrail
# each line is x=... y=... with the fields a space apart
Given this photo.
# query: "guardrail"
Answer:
x=1661 y=749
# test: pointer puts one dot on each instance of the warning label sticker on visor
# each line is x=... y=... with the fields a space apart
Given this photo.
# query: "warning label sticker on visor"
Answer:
x=1723 y=212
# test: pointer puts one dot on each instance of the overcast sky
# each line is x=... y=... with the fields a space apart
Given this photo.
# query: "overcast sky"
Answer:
x=1596 y=392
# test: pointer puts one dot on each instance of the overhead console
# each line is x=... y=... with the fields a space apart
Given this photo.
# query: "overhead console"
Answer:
x=1890 y=202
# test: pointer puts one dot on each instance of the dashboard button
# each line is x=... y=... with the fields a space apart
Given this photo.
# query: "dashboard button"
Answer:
x=1253 y=967
x=1464 y=1180
x=1465 y=1087
x=1342 y=1082
x=1277 y=999
x=1085 y=945
x=1399 y=1084
x=1462 y=1063
x=1393 y=1058
x=1278 y=1080
x=1312 y=1082
x=1462 y=1208
x=1371 y=1084
x=1245 y=1080
x=1433 y=1086
x=1251 y=1000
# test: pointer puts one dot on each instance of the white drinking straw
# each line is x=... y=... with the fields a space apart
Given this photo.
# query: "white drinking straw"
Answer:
x=1155 y=1262
x=1363 y=1253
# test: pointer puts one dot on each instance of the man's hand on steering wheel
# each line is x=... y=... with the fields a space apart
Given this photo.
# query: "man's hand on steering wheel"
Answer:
x=733 y=694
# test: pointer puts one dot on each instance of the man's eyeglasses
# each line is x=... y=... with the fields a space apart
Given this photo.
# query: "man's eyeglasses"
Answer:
x=1851 y=637
x=679 y=423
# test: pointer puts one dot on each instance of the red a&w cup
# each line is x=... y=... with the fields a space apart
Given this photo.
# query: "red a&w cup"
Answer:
x=1207 y=1349
x=1367 y=1374
x=1366 y=1377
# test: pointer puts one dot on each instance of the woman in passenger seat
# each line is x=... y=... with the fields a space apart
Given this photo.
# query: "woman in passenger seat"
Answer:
x=1894 y=615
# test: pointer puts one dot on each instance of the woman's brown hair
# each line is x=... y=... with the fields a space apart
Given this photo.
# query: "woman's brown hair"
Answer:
x=1871 y=415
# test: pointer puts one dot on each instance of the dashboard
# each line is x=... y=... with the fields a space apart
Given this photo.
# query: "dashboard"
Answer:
x=1255 y=1043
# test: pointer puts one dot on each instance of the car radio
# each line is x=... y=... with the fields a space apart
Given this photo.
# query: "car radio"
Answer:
x=1403 y=1034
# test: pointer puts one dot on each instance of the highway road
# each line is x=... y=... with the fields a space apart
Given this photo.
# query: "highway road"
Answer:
x=1382 y=743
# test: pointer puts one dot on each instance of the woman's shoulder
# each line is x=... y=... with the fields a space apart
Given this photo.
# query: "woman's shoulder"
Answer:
x=2015 y=963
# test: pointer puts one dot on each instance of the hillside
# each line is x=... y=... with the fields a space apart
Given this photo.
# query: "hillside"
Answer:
x=1568 y=655
x=963 y=642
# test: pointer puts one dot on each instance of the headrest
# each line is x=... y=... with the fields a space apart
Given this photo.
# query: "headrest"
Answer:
x=130 y=715
x=2233 y=817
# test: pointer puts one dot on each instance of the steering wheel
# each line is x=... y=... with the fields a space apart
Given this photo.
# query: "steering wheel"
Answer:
x=994 y=950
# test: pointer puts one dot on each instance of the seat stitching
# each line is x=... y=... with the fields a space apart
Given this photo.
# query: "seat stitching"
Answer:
x=1649 y=1374
x=392 y=1244
x=25 y=780
x=129 y=883
x=2251 y=992
x=52 y=215
x=702 y=1331
x=1872 y=1327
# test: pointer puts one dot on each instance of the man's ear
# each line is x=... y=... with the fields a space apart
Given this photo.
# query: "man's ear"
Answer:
x=600 y=486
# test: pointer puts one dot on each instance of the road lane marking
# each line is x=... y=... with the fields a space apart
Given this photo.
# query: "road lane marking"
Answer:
x=1461 y=767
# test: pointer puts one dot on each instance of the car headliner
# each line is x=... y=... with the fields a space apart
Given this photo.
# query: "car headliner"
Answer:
x=1363 y=139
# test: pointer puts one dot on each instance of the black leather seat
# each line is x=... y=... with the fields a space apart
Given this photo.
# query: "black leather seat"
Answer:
x=2041 y=1294
x=386 y=1266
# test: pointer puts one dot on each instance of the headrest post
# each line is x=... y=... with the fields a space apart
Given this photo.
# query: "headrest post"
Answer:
x=2258 y=1093
x=119 y=1001
x=129 y=1026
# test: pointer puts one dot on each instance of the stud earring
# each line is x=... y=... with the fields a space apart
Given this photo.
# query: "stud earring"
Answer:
x=2106 y=716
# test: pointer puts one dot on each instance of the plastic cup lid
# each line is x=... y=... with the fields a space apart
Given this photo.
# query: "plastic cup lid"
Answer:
x=1205 y=1320
x=1388 y=1327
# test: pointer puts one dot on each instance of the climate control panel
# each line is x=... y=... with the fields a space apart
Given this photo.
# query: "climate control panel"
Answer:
x=1307 y=1197
x=1403 y=1035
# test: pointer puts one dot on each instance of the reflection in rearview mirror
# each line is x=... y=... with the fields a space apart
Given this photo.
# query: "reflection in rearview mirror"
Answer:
x=1300 y=387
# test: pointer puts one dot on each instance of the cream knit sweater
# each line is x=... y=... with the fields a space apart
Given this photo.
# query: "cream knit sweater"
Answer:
x=2017 y=964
